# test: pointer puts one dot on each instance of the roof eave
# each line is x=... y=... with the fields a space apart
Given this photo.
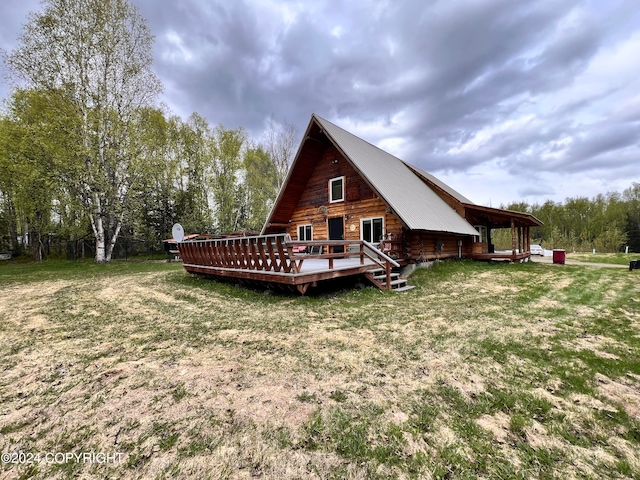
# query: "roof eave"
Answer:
x=287 y=178
x=504 y=212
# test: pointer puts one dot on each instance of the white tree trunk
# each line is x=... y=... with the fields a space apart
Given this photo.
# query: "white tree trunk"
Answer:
x=97 y=224
x=114 y=238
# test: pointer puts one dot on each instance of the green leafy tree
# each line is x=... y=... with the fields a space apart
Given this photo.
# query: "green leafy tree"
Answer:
x=8 y=219
x=153 y=209
x=631 y=198
x=227 y=171
x=261 y=186
x=580 y=224
x=192 y=146
x=29 y=147
x=95 y=56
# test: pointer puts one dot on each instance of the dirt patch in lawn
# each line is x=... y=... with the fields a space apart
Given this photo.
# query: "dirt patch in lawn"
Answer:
x=623 y=391
x=203 y=380
x=22 y=304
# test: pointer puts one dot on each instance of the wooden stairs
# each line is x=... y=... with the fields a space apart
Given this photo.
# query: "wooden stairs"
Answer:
x=379 y=278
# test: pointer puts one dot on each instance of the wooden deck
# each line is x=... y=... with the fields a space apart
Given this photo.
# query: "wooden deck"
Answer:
x=275 y=260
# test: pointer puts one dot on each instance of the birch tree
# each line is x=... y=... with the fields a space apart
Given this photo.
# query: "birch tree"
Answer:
x=227 y=181
x=194 y=147
x=24 y=162
x=97 y=55
x=260 y=186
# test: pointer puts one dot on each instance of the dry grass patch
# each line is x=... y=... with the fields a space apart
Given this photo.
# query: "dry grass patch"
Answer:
x=481 y=371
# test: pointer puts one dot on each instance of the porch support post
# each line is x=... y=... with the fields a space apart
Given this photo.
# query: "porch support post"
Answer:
x=519 y=239
x=513 y=237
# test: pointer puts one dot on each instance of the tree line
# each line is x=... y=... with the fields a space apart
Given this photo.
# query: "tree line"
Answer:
x=208 y=178
x=86 y=151
x=606 y=223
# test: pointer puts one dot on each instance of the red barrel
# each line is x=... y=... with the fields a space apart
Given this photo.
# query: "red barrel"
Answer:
x=559 y=256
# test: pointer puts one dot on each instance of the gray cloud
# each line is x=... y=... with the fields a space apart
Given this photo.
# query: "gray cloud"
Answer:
x=537 y=191
x=529 y=86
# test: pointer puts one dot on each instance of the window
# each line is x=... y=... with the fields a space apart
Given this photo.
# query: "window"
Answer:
x=305 y=233
x=371 y=229
x=336 y=189
x=482 y=233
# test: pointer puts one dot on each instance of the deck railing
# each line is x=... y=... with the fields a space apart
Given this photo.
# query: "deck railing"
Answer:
x=277 y=253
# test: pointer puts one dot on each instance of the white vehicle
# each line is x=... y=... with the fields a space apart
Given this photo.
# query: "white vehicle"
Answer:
x=537 y=250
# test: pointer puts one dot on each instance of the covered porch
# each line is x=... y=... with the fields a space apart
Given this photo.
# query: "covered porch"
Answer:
x=485 y=219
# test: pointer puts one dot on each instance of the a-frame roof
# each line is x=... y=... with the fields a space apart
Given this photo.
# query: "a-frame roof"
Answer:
x=439 y=183
x=408 y=195
x=417 y=205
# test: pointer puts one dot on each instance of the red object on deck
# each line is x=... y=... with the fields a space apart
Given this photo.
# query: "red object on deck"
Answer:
x=559 y=256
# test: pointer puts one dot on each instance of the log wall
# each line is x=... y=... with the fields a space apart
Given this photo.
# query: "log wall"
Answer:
x=360 y=201
x=421 y=245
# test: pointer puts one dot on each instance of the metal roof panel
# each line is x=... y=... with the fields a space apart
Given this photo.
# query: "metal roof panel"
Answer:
x=419 y=207
x=455 y=194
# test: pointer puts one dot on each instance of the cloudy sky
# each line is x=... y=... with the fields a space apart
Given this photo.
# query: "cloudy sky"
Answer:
x=505 y=100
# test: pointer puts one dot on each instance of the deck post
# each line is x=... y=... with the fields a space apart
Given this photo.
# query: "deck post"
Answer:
x=247 y=256
x=388 y=273
x=237 y=247
x=513 y=237
x=274 y=261
x=255 y=256
x=284 y=261
x=233 y=261
x=207 y=254
x=519 y=239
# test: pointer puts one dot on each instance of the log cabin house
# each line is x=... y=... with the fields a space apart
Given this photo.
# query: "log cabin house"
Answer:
x=360 y=211
x=341 y=187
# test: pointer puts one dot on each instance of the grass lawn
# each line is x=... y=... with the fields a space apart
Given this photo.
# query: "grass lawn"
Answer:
x=483 y=370
x=613 y=258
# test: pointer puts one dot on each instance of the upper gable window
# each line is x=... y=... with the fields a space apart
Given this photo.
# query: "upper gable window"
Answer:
x=336 y=189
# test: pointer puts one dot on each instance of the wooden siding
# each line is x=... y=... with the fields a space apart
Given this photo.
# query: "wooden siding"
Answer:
x=316 y=192
x=421 y=245
x=360 y=201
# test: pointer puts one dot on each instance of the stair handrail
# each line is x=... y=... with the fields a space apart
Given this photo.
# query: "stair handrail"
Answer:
x=388 y=261
x=379 y=253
